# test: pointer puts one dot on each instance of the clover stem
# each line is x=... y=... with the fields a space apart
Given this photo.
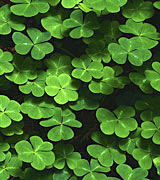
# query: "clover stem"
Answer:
x=65 y=50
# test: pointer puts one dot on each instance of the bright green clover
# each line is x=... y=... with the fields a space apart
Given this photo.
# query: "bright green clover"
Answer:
x=63 y=88
x=85 y=69
x=106 y=151
x=38 y=45
x=92 y=171
x=146 y=34
x=140 y=80
x=64 y=154
x=69 y=3
x=157 y=4
x=36 y=86
x=150 y=129
x=9 y=110
x=37 y=108
x=29 y=8
x=53 y=2
x=38 y=153
x=10 y=167
x=7 y=21
x=138 y=10
x=127 y=173
x=128 y=48
x=156 y=162
x=3 y=148
x=154 y=76
x=58 y=64
x=14 y=128
x=81 y=28
x=5 y=65
x=121 y=124
x=61 y=121
x=24 y=70
x=54 y=25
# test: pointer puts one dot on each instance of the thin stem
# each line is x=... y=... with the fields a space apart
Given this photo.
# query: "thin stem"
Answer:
x=69 y=53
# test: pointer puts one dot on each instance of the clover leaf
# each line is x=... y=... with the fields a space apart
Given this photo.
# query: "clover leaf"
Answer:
x=62 y=87
x=64 y=154
x=58 y=64
x=121 y=125
x=106 y=151
x=156 y=162
x=128 y=47
x=38 y=45
x=154 y=76
x=38 y=108
x=69 y=3
x=146 y=34
x=85 y=69
x=150 y=129
x=61 y=121
x=5 y=65
x=24 y=70
x=29 y=8
x=7 y=21
x=3 y=148
x=38 y=153
x=127 y=173
x=9 y=110
x=36 y=87
x=90 y=171
x=53 y=2
x=10 y=167
x=157 y=4
x=138 y=10
x=81 y=28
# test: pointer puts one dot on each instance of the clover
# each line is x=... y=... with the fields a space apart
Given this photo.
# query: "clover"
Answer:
x=69 y=3
x=139 y=10
x=29 y=8
x=37 y=43
x=157 y=4
x=38 y=153
x=120 y=125
x=38 y=108
x=10 y=167
x=85 y=69
x=127 y=173
x=106 y=150
x=64 y=155
x=90 y=171
x=146 y=34
x=128 y=48
x=3 y=148
x=5 y=62
x=9 y=110
x=151 y=129
x=9 y=22
x=61 y=120
x=63 y=88
x=81 y=28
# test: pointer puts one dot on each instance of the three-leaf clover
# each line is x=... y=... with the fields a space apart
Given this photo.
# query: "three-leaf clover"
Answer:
x=146 y=34
x=120 y=125
x=85 y=69
x=64 y=154
x=150 y=129
x=63 y=88
x=90 y=171
x=38 y=153
x=29 y=8
x=9 y=110
x=106 y=151
x=5 y=65
x=81 y=28
x=61 y=120
x=128 y=48
x=37 y=43
x=138 y=10
x=7 y=21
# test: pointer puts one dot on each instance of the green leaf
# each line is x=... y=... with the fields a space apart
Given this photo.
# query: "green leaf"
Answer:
x=69 y=3
x=29 y=8
x=157 y=4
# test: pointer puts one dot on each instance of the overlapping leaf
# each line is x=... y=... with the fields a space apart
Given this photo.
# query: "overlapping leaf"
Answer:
x=29 y=8
x=69 y=3
x=38 y=153
x=3 y=148
x=61 y=121
x=38 y=44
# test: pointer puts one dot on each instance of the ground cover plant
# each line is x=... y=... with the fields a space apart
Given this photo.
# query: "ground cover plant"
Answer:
x=79 y=90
